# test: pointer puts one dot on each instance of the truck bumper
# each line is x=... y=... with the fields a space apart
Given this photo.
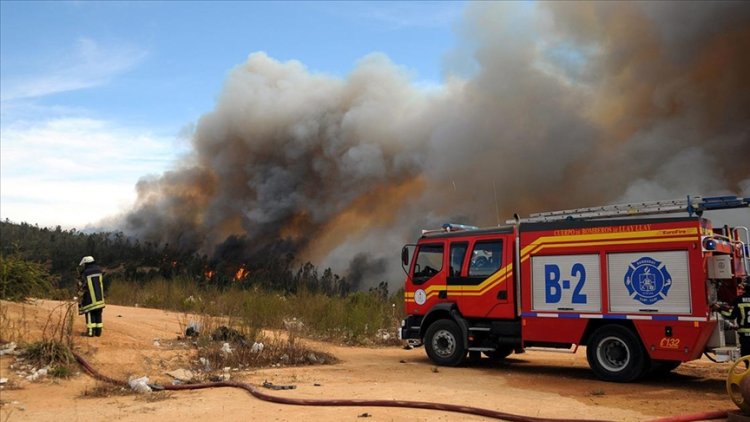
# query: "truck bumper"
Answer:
x=410 y=327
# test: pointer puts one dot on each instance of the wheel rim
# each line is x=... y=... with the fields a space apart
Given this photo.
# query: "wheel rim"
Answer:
x=613 y=354
x=444 y=343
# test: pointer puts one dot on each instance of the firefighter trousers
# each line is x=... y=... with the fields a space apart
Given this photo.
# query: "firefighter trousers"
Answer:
x=94 y=323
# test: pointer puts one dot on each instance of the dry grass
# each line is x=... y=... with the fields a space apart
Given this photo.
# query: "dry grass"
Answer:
x=13 y=330
x=54 y=349
x=105 y=390
x=359 y=318
x=276 y=351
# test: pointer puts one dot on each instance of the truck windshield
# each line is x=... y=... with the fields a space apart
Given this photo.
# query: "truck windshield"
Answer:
x=429 y=262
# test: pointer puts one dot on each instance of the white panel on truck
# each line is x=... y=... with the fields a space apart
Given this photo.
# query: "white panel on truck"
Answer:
x=566 y=283
x=648 y=282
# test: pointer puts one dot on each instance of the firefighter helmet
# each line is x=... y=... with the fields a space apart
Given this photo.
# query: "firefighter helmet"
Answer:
x=86 y=260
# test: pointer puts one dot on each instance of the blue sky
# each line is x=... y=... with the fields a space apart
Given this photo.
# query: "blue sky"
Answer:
x=96 y=95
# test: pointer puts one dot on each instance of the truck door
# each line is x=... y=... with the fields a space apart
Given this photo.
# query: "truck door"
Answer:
x=456 y=261
x=428 y=278
x=485 y=280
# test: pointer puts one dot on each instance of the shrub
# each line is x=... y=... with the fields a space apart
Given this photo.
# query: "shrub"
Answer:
x=20 y=279
x=51 y=353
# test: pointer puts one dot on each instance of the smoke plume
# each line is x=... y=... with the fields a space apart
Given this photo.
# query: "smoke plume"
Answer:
x=544 y=106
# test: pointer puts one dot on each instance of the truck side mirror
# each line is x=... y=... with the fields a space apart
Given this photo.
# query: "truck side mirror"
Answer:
x=404 y=256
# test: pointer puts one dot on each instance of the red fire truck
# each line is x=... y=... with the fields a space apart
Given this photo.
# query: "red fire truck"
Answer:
x=637 y=290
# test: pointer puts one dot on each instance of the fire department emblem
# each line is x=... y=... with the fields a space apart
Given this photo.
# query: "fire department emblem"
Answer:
x=420 y=297
x=648 y=281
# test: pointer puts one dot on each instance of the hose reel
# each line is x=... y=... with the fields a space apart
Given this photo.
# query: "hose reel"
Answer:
x=738 y=384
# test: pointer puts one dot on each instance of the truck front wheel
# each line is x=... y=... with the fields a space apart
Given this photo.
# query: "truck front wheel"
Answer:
x=615 y=354
x=444 y=343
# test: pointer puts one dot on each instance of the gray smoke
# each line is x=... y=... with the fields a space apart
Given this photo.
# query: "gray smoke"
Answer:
x=545 y=106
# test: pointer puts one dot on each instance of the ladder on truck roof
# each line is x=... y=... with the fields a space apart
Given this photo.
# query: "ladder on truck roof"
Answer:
x=692 y=205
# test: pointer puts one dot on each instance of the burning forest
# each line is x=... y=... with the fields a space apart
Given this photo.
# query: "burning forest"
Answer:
x=543 y=106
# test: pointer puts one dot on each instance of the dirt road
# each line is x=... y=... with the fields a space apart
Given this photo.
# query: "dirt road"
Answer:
x=139 y=341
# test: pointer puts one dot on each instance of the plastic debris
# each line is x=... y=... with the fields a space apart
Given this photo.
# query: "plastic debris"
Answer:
x=139 y=385
x=8 y=349
x=37 y=373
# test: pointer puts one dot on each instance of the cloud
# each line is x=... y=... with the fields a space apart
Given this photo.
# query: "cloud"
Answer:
x=74 y=169
x=87 y=65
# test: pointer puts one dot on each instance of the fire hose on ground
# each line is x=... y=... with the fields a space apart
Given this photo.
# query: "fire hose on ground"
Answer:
x=738 y=385
x=333 y=402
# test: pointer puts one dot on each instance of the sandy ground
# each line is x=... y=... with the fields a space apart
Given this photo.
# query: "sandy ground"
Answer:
x=139 y=341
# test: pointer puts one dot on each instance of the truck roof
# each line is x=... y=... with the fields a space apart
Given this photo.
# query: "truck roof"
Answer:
x=578 y=224
x=562 y=224
x=460 y=233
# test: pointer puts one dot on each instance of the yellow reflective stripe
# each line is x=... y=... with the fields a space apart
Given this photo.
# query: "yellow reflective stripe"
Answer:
x=90 y=281
x=743 y=315
x=90 y=285
x=92 y=307
x=527 y=255
x=606 y=237
x=490 y=283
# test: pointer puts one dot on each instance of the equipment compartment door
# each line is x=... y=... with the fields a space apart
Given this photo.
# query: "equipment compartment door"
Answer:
x=566 y=283
x=647 y=282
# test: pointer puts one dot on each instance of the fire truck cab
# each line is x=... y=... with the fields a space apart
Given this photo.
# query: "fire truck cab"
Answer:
x=640 y=293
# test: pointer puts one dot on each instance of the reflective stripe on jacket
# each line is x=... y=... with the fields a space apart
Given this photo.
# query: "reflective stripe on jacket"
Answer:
x=92 y=284
x=741 y=312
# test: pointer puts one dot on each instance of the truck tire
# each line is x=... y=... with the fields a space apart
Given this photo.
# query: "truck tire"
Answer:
x=616 y=354
x=444 y=343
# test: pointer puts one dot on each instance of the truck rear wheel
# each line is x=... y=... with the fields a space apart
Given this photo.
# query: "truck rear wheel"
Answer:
x=615 y=354
x=444 y=343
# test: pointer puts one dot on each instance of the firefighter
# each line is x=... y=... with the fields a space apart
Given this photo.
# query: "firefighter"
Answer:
x=741 y=314
x=91 y=292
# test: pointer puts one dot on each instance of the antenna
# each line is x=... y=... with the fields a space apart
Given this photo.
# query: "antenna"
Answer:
x=497 y=209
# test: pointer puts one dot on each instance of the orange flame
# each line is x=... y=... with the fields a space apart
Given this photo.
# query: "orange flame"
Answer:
x=209 y=274
x=241 y=273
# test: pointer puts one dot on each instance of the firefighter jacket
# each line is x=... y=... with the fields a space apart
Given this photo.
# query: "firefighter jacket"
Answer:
x=91 y=288
x=741 y=312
